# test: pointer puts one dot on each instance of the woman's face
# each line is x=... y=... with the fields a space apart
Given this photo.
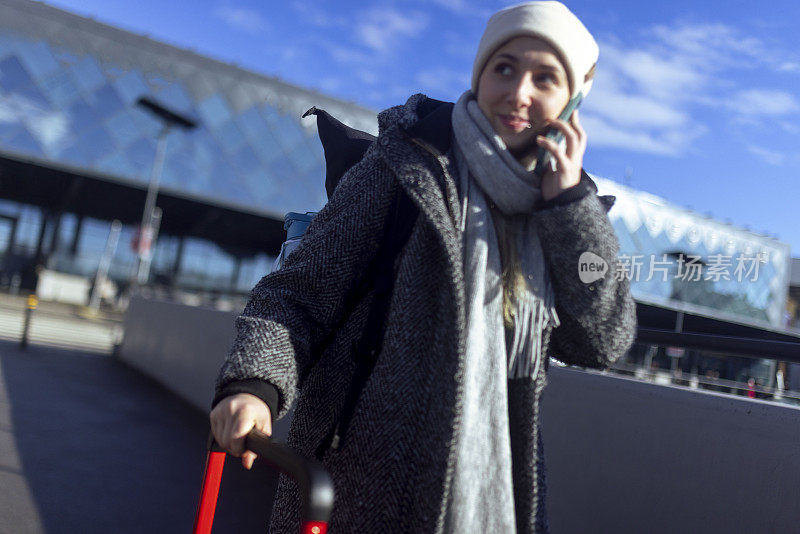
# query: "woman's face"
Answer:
x=523 y=83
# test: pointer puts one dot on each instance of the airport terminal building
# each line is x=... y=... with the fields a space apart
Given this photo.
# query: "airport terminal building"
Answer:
x=77 y=150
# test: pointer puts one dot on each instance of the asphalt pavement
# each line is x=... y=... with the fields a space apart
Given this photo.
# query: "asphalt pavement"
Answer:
x=89 y=445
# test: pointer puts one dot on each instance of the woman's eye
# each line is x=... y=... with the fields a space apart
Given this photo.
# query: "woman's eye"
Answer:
x=504 y=69
x=546 y=78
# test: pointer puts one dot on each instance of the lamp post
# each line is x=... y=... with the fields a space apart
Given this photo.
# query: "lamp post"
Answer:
x=105 y=263
x=170 y=119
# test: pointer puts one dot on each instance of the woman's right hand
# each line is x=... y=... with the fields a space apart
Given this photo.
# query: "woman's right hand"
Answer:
x=234 y=417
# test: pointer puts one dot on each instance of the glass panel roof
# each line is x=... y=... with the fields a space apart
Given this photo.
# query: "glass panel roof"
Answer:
x=63 y=77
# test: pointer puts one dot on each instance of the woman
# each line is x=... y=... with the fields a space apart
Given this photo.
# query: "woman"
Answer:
x=444 y=437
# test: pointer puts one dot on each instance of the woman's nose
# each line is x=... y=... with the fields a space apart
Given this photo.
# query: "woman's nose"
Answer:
x=523 y=93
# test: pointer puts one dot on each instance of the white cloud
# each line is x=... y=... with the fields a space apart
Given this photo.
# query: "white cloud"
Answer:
x=641 y=101
x=288 y=52
x=763 y=102
x=381 y=29
x=316 y=16
x=602 y=134
x=396 y=94
x=790 y=127
x=772 y=157
x=657 y=74
x=669 y=142
x=344 y=54
x=463 y=7
x=453 y=5
x=243 y=19
x=789 y=66
x=720 y=46
x=647 y=98
x=636 y=110
x=376 y=35
x=710 y=44
x=330 y=84
x=444 y=82
x=367 y=76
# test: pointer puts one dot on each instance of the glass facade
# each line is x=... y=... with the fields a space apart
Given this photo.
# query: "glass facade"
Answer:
x=678 y=258
x=68 y=92
x=66 y=106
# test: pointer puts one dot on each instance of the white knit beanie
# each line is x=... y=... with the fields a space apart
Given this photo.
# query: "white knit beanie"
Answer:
x=555 y=24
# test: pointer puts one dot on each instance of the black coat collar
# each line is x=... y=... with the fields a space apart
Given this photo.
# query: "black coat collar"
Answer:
x=435 y=126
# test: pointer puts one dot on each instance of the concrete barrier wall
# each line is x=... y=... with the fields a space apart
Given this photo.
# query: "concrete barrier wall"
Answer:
x=626 y=456
x=622 y=456
x=182 y=347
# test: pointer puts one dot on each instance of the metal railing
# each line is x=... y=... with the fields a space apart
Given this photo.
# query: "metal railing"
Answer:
x=716 y=347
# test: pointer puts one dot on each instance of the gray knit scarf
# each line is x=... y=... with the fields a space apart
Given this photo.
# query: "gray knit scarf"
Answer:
x=483 y=160
x=481 y=497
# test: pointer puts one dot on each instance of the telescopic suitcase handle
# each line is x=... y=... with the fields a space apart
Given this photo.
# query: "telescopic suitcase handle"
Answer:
x=314 y=483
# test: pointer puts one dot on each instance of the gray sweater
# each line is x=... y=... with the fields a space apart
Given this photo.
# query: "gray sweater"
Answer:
x=393 y=469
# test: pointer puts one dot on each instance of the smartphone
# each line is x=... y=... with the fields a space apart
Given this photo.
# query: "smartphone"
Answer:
x=543 y=157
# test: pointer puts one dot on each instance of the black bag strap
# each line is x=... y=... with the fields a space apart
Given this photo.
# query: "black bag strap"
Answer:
x=402 y=216
x=344 y=147
x=397 y=233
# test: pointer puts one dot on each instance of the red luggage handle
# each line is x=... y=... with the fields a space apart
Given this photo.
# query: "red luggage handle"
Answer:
x=315 y=485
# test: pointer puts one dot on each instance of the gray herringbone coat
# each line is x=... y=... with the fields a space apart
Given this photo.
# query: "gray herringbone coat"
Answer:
x=297 y=333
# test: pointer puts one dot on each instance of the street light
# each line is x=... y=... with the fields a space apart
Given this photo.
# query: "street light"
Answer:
x=169 y=118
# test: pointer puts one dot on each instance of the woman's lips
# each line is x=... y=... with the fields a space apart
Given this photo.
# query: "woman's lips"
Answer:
x=514 y=123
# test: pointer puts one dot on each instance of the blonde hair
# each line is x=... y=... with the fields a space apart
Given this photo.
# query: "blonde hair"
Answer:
x=514 y=283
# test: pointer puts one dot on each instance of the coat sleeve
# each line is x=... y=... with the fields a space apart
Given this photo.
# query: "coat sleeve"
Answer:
x=598 y=318
x=293 y=310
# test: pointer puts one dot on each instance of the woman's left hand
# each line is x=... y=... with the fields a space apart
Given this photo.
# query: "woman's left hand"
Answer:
x=569 y=161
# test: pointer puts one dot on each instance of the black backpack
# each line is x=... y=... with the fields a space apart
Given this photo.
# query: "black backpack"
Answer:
x=344 y=147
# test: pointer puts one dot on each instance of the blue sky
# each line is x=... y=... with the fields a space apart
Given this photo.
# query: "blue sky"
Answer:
x=696 y=102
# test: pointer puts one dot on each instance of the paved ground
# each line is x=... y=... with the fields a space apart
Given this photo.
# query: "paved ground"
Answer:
x=88 y=445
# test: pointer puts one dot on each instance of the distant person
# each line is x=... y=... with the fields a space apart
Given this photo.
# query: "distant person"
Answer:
x=445 y=436
x=751 y=387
